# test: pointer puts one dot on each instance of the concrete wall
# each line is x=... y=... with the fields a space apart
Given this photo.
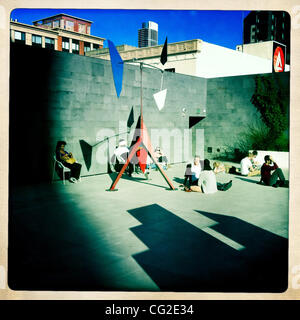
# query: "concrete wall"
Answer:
x=281 y=158
x=230 y=111
x=61 y=96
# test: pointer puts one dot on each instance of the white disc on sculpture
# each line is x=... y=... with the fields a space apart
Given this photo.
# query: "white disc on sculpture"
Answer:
x=160 y=98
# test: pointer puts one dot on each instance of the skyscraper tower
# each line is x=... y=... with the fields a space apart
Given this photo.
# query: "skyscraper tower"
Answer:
x=148 y=35
x=260 y=26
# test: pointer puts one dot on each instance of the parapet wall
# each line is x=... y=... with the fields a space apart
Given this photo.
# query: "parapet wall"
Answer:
x=62 y=96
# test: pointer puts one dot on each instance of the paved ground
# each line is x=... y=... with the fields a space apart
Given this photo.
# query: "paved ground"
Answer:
x=146 y=237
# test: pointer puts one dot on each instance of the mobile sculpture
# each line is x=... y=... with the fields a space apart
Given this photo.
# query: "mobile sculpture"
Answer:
x=141 y=144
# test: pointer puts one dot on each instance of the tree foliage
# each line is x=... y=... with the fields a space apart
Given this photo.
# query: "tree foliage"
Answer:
x=270 y=100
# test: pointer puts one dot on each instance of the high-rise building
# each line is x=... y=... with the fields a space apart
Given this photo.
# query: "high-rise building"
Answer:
x=261 y=26
x=148 y=35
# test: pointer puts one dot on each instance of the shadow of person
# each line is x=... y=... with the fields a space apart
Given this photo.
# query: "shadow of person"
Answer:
x=247 y=180
x=178 y=180
x=182 y=257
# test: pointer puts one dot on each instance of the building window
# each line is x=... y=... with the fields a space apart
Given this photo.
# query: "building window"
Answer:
x=65 y=44
x=69 y=25
x=282 y=36
x=81 y=28
x=170 y=70
x=88 y=30
x=272 y=16
x=19 y=37
x=272 y=38
x=48 y=24
x=56 y=24
x=87 y=47
x=252 y=33
x=75 y=46
x=36 y=40
x=96 y=46
x=49 y=43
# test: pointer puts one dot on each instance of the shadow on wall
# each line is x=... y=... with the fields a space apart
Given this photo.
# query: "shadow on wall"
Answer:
x=87 y=152
x=87 y=149
x=182 y=257
x=29 y=112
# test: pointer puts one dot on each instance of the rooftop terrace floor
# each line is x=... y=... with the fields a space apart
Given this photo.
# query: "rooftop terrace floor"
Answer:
x=145 y=237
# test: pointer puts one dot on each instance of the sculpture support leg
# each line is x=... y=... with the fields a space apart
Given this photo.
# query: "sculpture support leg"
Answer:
x=131 y=154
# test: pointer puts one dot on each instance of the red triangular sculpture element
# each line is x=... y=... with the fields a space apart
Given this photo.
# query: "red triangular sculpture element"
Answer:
x=140 y=147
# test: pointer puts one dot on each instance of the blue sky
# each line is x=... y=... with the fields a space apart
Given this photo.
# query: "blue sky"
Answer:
x=223 y=28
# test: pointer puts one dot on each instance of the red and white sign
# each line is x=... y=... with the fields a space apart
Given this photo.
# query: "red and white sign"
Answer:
x=278 y=60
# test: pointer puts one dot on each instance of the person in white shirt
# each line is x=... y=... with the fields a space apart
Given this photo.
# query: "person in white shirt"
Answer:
x=247 y=168
x=207 y=182
x=120 y=157
x=192 y=174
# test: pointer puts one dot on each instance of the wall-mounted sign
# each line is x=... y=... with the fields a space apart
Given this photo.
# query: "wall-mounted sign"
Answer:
x=278 y=57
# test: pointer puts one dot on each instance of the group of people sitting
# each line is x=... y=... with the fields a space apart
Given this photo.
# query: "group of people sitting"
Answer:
x=202 y=178
x=250 y=167
x=198 y=177
x=118 y=159
x=121 y=153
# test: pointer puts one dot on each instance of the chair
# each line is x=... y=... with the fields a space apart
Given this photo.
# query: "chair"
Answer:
x=62 y=167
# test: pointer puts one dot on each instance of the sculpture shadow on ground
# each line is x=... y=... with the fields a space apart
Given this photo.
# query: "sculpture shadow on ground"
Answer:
x=182 y=257
x=247 y=180
x=140 y=179
x=178 y=180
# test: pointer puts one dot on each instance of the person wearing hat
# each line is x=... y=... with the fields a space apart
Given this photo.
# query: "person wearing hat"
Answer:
x=68 y=161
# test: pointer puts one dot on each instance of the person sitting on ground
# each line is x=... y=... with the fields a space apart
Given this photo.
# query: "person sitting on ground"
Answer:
x=247 y=166
x=119 y=158
x=207 y=182
x=68 y=161
x=192 y=173
x=161 y=158
x=218 y=167
x=271 y=179
x=255 y=164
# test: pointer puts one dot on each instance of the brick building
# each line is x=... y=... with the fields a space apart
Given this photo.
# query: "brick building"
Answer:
x=60 y=32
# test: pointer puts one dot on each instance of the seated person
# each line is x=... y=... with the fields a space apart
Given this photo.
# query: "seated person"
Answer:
x=255 y=164
x=68 y=161
x=192 y=174
x=160 y=158
x=247 y=168
x=207 y=182
x=271 y=179
x=218 y=167
x=119 y=158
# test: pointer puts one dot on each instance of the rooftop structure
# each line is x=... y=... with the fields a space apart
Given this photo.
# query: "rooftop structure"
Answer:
x=60 y=32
